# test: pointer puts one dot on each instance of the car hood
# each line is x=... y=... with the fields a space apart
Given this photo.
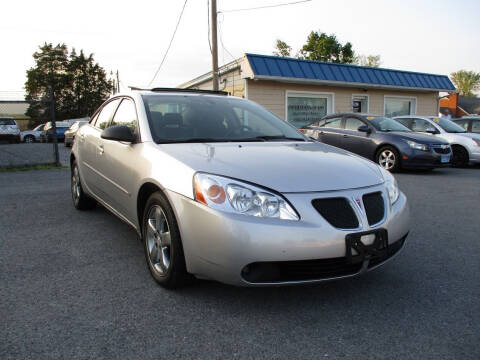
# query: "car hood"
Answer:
x=284 y=167
x=419 y=138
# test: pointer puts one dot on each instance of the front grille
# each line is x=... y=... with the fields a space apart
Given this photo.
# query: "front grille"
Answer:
x=305 y=270
x=264 y=272
x=439 y=150
x=337 y=211
x=374 y=207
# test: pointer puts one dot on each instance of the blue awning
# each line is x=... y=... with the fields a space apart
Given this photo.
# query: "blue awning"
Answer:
x=288 y=69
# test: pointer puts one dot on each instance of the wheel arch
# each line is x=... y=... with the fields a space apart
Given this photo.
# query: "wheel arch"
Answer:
x=383 y=145
x=147 y=189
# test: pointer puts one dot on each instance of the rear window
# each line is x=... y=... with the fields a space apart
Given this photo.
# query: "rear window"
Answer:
x=7 y=122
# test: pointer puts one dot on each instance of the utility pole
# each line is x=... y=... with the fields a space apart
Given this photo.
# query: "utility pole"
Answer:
x=118 y=83
x=54 y=127
x=214 y=46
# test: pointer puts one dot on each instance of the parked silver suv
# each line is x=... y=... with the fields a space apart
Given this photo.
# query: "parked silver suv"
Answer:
x=220 y=188
x=9 y=130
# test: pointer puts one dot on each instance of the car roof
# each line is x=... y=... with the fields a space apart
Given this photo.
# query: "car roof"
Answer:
x=175 y=91
x=353 y=114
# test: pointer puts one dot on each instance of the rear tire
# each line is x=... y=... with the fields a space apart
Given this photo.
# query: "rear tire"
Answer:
x=162 y=243
x=388 y=158
x=460 y=156
x=81 y=201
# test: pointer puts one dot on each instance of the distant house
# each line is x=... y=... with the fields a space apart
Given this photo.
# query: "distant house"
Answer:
x=459 y=105
x=297 y=89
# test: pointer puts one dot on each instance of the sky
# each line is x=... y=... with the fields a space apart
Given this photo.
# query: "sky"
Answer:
x=435 y=36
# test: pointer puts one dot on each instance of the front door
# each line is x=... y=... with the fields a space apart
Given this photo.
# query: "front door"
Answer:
x=120 y=163
x=356 y=141
x=92 y=166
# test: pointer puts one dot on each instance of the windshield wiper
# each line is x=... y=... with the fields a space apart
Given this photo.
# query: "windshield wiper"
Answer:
x=275 y=137
x=191 y=140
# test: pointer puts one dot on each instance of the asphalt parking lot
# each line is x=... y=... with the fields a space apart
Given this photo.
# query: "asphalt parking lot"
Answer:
x=75 y=285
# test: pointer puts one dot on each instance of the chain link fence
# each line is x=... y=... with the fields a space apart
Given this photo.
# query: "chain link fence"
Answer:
x=18 y=155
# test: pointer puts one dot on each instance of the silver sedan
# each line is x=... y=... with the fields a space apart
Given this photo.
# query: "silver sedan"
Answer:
x=219 y=188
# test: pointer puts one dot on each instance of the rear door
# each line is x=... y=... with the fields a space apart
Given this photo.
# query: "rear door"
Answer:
x=91 y=151
x=330 y=131
x=358 y=142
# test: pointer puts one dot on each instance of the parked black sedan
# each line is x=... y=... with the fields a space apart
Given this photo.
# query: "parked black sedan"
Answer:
x=469 y=123
x=381 y=139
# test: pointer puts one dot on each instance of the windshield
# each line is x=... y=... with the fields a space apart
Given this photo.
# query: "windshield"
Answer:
x=386 y=124
x=7 y=121
x=448 y=125
x=39 y=127
x=199 y=118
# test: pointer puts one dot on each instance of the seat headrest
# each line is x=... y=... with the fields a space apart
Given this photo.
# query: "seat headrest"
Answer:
x=156 y=116
x=172 y=119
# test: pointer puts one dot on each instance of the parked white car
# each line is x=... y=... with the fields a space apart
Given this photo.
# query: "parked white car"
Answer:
x=33 y=135
x=9 y=130
x=465 y=146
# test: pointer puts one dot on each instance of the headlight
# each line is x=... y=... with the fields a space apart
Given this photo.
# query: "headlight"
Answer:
x=477 y=142
x=417 y=146
x=391 y=186
x=234 y=196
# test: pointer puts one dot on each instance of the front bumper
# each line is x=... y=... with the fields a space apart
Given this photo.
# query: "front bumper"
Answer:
x=474 y=156
x=220 y=245
x=413 y=158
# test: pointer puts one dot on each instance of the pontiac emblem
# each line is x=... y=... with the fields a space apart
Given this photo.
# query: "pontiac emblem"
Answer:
x=359 y=203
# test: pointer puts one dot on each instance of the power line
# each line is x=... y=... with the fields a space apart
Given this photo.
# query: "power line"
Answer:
x=208 y=19
x=171 y=41
x=265 y=7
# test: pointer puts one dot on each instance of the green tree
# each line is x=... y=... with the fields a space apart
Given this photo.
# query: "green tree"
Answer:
x=370 y=60
x=323 y=47
x=282 y=49
x=79 y=84
x=466 y=82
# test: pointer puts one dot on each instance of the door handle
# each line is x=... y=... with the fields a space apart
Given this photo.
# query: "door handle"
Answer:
x=345 y=135
x=322 y=132
x=101 y=150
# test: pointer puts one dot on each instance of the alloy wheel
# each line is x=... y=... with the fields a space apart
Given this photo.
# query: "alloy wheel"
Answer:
x=76 y=189
x=158 y=240
x=387 y=159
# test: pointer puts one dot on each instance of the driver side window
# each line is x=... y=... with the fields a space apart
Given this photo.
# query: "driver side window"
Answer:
x=353 y=124
x=421 y=125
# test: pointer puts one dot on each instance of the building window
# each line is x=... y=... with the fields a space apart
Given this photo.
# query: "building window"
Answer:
x=306 y=108
x=360 y=103
x=398 y=106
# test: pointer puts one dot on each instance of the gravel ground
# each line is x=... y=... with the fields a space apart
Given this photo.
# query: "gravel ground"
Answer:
x=18 y=155
x=75 y=286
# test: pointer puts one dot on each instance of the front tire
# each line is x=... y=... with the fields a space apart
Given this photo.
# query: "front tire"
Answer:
x=460 y=156
x=29 y=139
x=162 y=243
x=81 y=201
x=388 y=158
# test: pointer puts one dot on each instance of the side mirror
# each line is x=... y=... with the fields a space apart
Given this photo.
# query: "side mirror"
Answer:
x=118 y=133
x=431 y=131
x=365 y=129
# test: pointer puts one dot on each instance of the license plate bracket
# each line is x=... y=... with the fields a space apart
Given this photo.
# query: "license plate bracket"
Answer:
x=377 y=248
x=445 y=159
